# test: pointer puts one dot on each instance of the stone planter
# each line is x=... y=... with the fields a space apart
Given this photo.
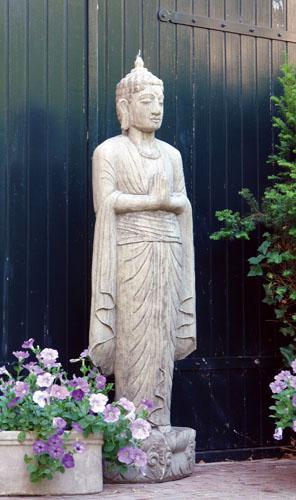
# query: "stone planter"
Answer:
x=85 y=477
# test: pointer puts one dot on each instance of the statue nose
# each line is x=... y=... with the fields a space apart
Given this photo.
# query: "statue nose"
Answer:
x=156 y=111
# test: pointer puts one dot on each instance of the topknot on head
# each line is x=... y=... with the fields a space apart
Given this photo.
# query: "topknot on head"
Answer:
x=136 y=80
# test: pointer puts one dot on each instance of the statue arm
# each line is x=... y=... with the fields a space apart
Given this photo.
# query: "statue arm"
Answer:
x=178 y=200
x=135 y=203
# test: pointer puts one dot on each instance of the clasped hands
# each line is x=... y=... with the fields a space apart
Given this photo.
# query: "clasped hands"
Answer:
x=162 y=199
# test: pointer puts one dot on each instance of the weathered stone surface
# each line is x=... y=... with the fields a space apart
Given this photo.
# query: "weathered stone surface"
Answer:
x=170 y=455
x=86 y=477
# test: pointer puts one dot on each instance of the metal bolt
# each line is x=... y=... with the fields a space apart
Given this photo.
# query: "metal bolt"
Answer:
x=251 y=30
x=279 y=34
x=223 y=25
x=193 y=20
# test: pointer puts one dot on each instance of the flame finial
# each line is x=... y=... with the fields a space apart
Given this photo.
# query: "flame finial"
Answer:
x=139 y=63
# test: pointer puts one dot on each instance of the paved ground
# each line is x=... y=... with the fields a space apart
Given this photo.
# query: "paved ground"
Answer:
x=253 y=480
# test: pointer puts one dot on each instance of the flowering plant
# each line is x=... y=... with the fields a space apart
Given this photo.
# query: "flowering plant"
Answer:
x=36 y=395
x=284 y=392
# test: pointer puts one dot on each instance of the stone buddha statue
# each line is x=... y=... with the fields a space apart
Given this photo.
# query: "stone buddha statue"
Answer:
x=143 y=293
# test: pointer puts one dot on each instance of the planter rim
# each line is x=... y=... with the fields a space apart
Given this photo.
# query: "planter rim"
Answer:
x=11 y=436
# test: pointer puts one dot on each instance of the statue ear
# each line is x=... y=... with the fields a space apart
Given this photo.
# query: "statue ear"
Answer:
x=123 y=105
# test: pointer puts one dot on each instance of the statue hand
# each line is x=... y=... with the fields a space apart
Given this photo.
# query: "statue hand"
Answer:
x=158 y=188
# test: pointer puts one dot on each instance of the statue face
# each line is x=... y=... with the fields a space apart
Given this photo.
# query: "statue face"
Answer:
x=146 y=109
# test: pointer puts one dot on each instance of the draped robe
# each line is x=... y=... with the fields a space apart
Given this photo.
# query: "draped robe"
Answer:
x=143 y=293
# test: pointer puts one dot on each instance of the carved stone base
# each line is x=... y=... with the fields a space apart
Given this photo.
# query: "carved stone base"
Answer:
x=171 y=456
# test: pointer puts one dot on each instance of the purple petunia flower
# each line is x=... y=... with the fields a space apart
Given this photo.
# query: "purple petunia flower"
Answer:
x=84 y=353
x=59 y=423
x=277 y=386
x=126 y=455
x=32 y=367
x=28 y=344
x=147 y=404
x=68 y=461
x=79 y=447
x=21 y=355
x=100 y=381
x=54 y=440
x=76 y=427
x=40 y=447
x=111 y=413
x=140 y=458
x=21 y=389
x=55 y=451
x=13 y=403
x=77 y=394
x=80 y=383
x=293 y=365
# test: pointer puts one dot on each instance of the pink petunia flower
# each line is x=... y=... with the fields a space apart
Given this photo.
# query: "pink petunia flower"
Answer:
x=59 y=392
x=45 y=380
x=28 y=344
x=21 y=355
x=97 y=402
x=140 y=429
x=40 y=398
x=111 y=413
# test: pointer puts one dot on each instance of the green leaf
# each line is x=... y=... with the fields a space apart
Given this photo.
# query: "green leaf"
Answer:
x=264 y=246
x=21 y=436
x=108 y=447
x=256 y=260
x=255 y=271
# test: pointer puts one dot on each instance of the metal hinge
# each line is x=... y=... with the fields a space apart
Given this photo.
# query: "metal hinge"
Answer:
x=225 y=26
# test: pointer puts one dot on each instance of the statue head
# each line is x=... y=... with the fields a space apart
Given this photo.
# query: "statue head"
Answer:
x=139 y=99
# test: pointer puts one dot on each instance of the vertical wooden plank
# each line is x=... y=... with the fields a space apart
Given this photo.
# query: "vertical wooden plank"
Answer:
x=17 y=175
x=202 y=181
x=184 y=97
x=278 y=21
x=4 y=98
x=37 y=299
x=218 y=137
x=219 y=283
x=96 y=84
x=58 y=271
x=291 y=26
x=151 y=27
x=133 y=33
x=78 y=178
x=249 y=144
x=203 y=212
x=235 y=270
x=115 y=51
x=167 y=72
x=234 y=179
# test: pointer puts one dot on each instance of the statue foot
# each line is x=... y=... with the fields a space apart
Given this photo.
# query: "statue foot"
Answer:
x=170 y=454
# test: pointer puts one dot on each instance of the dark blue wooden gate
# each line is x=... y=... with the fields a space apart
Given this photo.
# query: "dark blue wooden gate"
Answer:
x=219 y=59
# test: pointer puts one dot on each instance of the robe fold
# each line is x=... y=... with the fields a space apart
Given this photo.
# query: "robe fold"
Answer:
x=143 y=289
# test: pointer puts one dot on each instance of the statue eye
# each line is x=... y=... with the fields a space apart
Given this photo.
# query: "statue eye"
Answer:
x=146 y=101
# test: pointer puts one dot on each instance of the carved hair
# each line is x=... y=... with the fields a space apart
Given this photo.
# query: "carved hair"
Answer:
x=133 y=82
